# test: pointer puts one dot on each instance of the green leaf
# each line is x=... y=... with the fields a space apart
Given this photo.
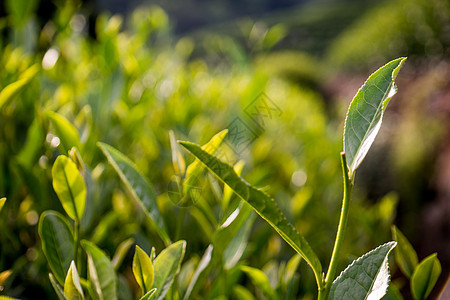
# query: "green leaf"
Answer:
x=425 y=276
x=202 y=266
x=58 y=290
x=366 y=111
x=67 y=133
x=69 y=186
x=242 y=293
x=143 y=269
x=72 y=286
x=261 y=203
x=57 y=243
x=260 y=280
x=166 y=267
x=121 y=251
x=195 y=169
x=2 y=203
x=13 y=89
x=138 y=187
x=177 y=159
x=405 y=255
x=7 y=298
x=365 y=278
x=393 y=293
x=101 y=272
x=149 y=295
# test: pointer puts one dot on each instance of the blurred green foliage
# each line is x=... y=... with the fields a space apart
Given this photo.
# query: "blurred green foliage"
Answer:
x=129 y=86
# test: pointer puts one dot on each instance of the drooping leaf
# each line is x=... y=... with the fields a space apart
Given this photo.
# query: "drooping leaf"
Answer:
x=2 y=203
x=405 y=255
x=16 y=87
x=58 y=289
x=121 y=251
x=166 y=267
x=138 y=187
x=143 y=270
x=72 y=286
x=101 y=272
x=149 y=295
x=365 y=278
x=260 y=280
x=202 y=266
x=69 y=186
x=66 y=132
x=261 y=203
x=57 y=243
x=366 y=111
x=425 y=276
x=195 y=169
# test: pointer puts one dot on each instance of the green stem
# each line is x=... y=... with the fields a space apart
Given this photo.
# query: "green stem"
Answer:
x=348 y=185
x=77 y=242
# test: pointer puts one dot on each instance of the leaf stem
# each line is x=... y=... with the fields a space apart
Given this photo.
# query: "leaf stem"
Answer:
x=348 y=185
x=76 y=237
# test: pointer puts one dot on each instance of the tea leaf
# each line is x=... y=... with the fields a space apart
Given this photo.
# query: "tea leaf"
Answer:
x=69 y=186
x=57 y=243
x=149 y=295
x=177 y=159
x=365 y=278
x=121 y=251
x=72 y=286
x=59 y=291
x=13 y=89
x=138 y=187
x=260 y=280
x=67 y=133
x=101 y=272
x=366 y=111
x=2 y=203
x=166 y=267
x=143 y=269
x=425 y=276
x=405 y=255
x=202 y=266
x=261 y=203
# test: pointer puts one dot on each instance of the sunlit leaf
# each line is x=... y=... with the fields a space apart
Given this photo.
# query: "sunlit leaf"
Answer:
x=58 y=289
x=365 y=278
x=101 y=272
x=177 y=159
x=261 y=203
x=72 y=286
x=69 y=186
x=66 y=132
x=149 y=295
x=57 y=243
x=366 y=111
x=166 y=267
x=2 y=203
x=143 y=269
x=16 y=87
x=138 y=187
x=425 y=276
x=260 y=280
x=405 y=255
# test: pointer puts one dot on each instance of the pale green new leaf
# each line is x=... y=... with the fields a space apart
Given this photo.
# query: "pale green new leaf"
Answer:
x=143 y=269
x=366 y=111
x=121 y=251
x=425 y=276
x=365 y=278
x=166 y=267
x=69 y=186
x=2 y=203
x=259 y=279
x=177 y=159
x=58 y=290
x=16 y=87
x=72 y=286
x=66 y=132
x=57 y=243
x=261 y=203
x=149 y=295
x=101 y=272
x=405 y=255
x=138 y=187
x=195 y=169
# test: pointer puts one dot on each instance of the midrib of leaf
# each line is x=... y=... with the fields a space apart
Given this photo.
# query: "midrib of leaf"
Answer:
x=141 y=274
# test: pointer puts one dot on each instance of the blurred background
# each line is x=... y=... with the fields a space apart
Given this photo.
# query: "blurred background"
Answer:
x=127 y=72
